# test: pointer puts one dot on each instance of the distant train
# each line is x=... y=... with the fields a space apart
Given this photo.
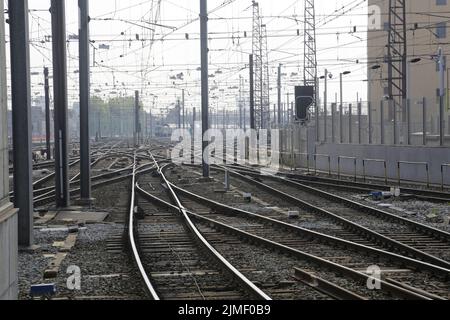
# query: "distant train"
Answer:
x=163 y=131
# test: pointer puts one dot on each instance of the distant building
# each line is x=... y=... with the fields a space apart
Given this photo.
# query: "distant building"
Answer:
x=427 y=31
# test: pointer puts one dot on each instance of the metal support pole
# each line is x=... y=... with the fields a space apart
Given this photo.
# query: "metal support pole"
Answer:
x=151 y=124
x=224 y=118
x=408 y=122
x=21 y=118
x=194 y=118
x=184 y=109
x=291 y=113
x=178 y=106
x=99 y=125
x=274 y=115
x=341 y=110
x=317 y=120
x=240 y=102
x=382 y=121
x=136 y=118
x=244 y=116
x=359 y=122
x=252 y=94
x=424 y=120
x=279 y=96
x=204 y=76
x=325 y=108
x=47 y=114
x=350 y=124
x=370 y=115
x=60 y=96
x=341 y=122
x=85 y=153
x=333 y=122
x=110 y=122
x=288 y=110
x=146 y=124
x=393 y=107
x=441 y=98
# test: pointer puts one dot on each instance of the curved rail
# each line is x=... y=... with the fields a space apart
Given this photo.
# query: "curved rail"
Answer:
x=356 y=275
x=383 y=239
x=131 y=239
x=253 y=289
x=440 y=234
x=416 y=264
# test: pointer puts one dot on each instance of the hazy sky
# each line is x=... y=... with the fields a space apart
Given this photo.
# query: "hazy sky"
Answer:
x=134 y=64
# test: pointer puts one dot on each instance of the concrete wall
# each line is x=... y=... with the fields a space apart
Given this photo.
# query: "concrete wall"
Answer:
x=8 y=253
x=434 y=156
x=8 y=215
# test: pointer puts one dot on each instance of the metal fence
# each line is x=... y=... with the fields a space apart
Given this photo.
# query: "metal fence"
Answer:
x=416 y=123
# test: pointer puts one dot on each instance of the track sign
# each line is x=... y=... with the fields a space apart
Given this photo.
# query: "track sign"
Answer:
x=304 y=99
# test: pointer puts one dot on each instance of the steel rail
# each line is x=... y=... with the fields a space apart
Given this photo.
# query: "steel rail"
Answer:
x=386 y=241
x=49 y=197
x=413 y=263
x=428 y=230
x=358 y=276
x=131 y=238
x=45 y=192
x=422 y=194
x=237 y=275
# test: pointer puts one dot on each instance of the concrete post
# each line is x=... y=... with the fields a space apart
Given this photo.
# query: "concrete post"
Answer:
x=350 y=123
x=21 y=118
x=252 y=93
x=279 y=96
x=333 y=122
x=178 y=106
x=184 y=109
x=341 y=123
x=325 y=108
x=441 y=97
x=382 y=122
x=424 y=121
x=136 y=118
x=85 y=152
x=408 y=122
x=393 y=107
x=341 y=109
x=204 y=80
x=359 y=122
x=370 y=115
x=47 y=115
x=61 y=109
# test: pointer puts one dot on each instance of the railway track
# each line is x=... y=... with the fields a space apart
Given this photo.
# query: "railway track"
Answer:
x=364 y=187
x=350 y=185
x=177 y=262
x=304 y=266
x=322 y=247
x=101 y=180
x=99 y=158
x=51 y=163
x=349 y=220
